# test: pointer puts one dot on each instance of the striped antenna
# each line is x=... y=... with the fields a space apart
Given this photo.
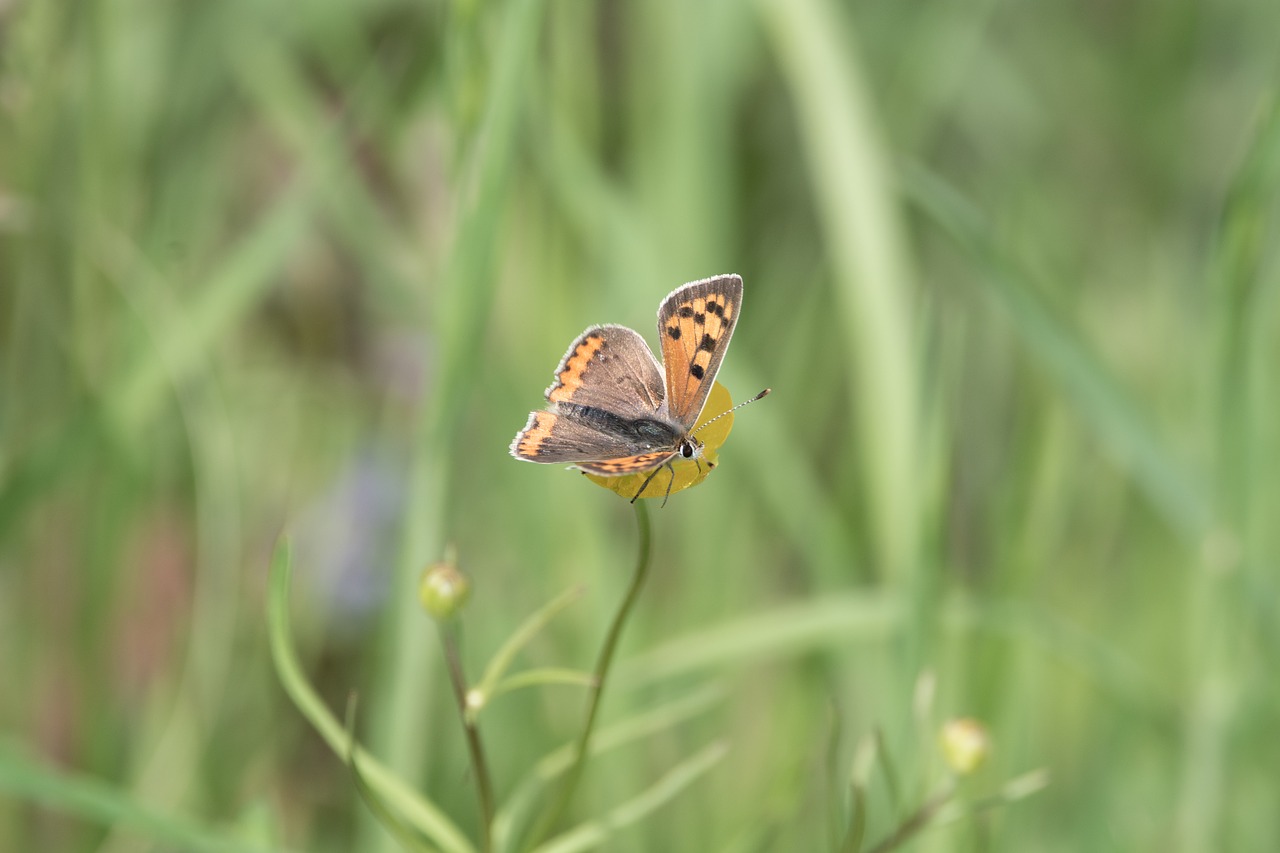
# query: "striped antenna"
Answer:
x=760 y=396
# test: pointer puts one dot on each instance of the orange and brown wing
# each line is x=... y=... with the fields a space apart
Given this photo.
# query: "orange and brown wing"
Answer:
x=628 y=464
x=612 y=368
x=695 y=323
x=555 y=437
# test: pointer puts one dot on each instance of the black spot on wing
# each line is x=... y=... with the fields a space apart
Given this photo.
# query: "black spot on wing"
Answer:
x=673 y=332
x=708 y=343
x=700 y=319
x=697 y=371
x=685 y=311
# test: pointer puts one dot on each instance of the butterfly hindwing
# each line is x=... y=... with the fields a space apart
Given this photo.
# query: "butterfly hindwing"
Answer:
x=695 y=323
x=629 y=464
x=551 y=436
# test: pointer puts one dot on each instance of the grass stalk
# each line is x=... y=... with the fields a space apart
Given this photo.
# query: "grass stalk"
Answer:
x=475 y=746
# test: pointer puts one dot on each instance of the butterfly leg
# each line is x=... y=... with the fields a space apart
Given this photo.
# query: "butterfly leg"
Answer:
x=670 y=483
x=645 y=485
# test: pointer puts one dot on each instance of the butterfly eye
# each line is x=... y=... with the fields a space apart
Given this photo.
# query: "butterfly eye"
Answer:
x=686 y=450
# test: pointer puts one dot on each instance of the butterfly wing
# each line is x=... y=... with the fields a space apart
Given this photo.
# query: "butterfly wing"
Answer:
x=637 y=464
x=611 y=368
x=607 y=382
x=559 y=437
x=695 y=323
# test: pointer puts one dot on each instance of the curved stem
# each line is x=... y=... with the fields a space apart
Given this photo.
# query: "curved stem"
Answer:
x=916 y=822
x=574 y=774
x=484 y=787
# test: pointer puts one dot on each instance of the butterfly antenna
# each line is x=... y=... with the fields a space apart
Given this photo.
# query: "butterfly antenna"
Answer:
x=760 y=396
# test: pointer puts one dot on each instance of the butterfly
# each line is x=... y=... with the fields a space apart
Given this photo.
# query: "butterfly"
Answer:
x=613 y=411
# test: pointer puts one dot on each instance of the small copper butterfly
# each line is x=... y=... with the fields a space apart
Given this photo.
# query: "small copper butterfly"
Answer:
x=613 y=411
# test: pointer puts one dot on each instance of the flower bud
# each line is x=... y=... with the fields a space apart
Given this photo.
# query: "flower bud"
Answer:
x=443 y=590
x=965 y=745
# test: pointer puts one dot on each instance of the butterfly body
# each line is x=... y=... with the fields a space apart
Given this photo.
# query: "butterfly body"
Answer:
x=613 y=410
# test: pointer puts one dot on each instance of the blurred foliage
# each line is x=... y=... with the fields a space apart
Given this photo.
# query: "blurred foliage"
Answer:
x=1011 y=271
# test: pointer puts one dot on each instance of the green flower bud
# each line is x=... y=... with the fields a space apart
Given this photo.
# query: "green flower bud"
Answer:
x=443 y=591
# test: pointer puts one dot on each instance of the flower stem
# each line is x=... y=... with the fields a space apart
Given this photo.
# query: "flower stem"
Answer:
x=916 y=822
x=484 y=787
x=574 y=774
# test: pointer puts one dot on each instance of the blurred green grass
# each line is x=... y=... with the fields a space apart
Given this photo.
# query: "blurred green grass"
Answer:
x=1010 y=269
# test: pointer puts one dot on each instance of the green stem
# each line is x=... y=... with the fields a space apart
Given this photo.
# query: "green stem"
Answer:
x=918 y=821
x=574 y=774
x=484 y=787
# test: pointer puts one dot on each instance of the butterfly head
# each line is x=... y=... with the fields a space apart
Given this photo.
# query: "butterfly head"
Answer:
x=690 y=448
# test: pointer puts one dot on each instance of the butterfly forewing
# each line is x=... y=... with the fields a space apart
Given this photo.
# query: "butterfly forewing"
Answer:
x=609 y=367
x=695 y=323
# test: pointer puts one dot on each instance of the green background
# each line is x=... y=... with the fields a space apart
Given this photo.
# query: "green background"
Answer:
x=1011 y=270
